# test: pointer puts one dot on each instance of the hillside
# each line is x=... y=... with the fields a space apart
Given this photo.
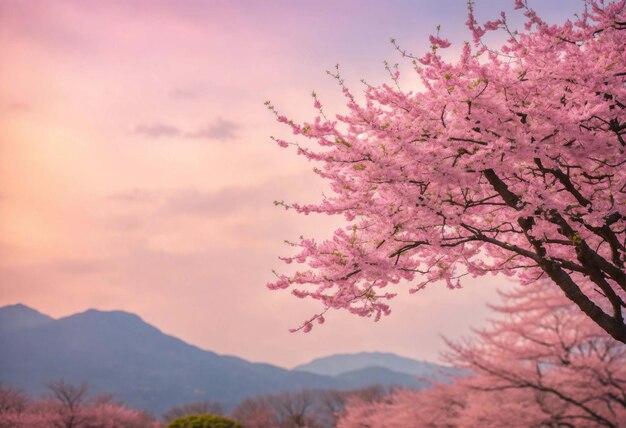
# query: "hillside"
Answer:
x=117 y=352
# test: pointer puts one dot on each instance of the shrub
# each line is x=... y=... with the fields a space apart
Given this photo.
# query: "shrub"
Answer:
x=204 y=420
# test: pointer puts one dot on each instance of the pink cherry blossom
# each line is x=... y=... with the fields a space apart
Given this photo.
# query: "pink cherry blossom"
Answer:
x=541 y=363
x=511 y=161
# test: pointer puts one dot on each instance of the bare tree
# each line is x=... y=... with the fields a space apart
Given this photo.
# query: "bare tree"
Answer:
x=306 y=408
x=332 y=402
x=105 y=398
x=12 y=400
x=71 y=399
x=293 y=409
x=285 y=410
x=253 y=413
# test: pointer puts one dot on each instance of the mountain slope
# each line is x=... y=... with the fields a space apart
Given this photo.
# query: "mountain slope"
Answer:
x=117 y=352
x=337 y=364
x=374 y=375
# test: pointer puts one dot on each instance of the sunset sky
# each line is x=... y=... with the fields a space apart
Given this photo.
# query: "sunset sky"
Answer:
x=137 y=170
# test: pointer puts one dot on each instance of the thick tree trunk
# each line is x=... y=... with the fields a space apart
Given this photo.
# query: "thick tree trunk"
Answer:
x=613 y=325
x=615 y=328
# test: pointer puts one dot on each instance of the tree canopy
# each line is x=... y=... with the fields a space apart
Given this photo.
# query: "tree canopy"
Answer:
x=508 y=160
x=540 y=363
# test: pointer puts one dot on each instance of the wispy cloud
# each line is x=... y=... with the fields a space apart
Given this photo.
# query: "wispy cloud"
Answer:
x=219 y=203
x=133 y=196
x=221 y=129
x=223 y=202
x=186 y=93
x=13 y=106
x=158 y=130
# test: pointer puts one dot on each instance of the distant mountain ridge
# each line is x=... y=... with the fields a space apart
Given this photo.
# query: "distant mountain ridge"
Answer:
x=376 y=375
x=18 y=316
x=339 y=364
x=117 y=352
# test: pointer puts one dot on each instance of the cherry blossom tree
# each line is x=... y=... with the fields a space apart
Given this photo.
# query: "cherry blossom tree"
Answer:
x=540 y=363
x=68 y=407
x=12 y=400
x=437 y=407
x=115 y=415
x=564 y=369
x=509 y=160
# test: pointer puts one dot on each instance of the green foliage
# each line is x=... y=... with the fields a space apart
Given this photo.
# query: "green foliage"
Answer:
x=204 y=420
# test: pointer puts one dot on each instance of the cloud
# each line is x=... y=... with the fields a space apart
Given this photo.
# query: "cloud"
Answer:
x=158 y=130
x=221 y=129
x=76 y=266
x=241 y=199
x=133 y=195
x=214 y=204
x=227 y=201
x=17 y=106
x=14 y=106
x=49 y=25
x=190 y=93
x=219 y=203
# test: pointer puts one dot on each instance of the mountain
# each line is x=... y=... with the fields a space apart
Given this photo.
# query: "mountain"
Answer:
x=375 y=375
x=338 y=364
x=18 y=316
x=117 y=352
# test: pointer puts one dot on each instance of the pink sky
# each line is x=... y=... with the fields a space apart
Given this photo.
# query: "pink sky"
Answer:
x=137 y=172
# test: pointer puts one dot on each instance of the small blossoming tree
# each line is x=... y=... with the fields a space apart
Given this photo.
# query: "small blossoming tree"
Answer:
x=510 y=160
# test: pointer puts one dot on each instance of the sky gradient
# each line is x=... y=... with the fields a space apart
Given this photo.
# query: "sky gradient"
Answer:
x=137 y=170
